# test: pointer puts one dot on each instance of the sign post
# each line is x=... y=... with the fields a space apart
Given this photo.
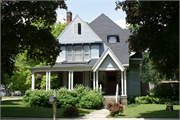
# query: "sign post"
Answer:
x=52 y=100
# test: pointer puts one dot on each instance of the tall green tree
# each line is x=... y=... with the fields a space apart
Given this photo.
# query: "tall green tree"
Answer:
x=22 y=77
x=18 y=34
x=159 y=32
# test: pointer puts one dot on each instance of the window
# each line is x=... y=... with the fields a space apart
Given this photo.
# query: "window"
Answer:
x=69 y=53
x=77 y=28
x=113 y=39
x=77 y=53
x=86 y=53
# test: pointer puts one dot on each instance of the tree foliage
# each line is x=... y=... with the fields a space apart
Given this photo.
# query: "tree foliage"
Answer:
x=18 y=34
x=22 y=77
x=159 y=32
x=149 y=73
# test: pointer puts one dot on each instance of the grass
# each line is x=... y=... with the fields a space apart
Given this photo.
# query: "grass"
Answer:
x=149 y=111
x=15 y=108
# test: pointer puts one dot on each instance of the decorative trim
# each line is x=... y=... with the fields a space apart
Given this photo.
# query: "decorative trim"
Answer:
x=108 y=69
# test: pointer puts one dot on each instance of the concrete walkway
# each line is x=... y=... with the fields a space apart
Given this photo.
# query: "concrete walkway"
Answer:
x=97 y=114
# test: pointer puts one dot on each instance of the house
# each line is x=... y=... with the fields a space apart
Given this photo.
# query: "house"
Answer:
x=95 y=54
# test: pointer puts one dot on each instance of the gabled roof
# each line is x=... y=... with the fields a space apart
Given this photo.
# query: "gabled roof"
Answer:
x=103 y=26
x=102 y=58
x=87 y=34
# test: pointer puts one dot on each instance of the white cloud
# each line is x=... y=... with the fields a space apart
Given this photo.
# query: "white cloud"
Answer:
x=121 y=23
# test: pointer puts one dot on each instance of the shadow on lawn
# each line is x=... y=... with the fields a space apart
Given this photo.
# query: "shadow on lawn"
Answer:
x=160 y=114
x=11 y=102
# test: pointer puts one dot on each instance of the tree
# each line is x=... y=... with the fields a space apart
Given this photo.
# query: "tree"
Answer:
x=18 y=34
x=159 y=32
x=21 y=78
x=148 y=72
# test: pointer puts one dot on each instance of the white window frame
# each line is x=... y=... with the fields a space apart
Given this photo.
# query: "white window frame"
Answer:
x=69 y=53
x=86 y=53
x=76 y=53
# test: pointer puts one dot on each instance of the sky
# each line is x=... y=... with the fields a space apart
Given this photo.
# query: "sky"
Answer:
x=89 y=10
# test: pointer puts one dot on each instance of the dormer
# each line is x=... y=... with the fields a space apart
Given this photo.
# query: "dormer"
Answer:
x=113 y=39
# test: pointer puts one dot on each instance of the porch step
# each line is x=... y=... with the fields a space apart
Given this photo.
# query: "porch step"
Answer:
x=109 y=98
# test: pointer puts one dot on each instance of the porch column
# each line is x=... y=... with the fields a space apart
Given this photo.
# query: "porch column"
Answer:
x=93 y=80
x=125 y=93
x=97 y=79
x=33 y=81
x=46 y=80
x=122 y=91
x=71 y=80
x=49 y=80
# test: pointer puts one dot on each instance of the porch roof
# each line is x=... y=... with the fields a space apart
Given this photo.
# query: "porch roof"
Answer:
x=65 y=66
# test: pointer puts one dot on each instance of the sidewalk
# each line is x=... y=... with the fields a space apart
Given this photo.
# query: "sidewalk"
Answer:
x=11 y=99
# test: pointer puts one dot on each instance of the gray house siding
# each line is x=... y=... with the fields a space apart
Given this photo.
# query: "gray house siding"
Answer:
x=94 y=51
x=133 y=80
x=62 y=55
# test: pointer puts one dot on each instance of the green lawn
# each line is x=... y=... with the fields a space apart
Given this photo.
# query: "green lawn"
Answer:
x=15 y=108
x=150 y=111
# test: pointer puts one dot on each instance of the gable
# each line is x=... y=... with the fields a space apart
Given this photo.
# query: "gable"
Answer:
x=102 y=59
x=68 y=36
x=108 y=64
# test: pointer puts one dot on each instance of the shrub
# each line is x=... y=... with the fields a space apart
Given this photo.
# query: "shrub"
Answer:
x=71 y=112
x=115 y=108
x=81 y=96
x=164 y=91
x=151 y=100
x=37 y=98
x=66 y=98
x=91 y=100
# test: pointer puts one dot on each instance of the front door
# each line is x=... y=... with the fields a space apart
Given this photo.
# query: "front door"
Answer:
x=111 y=82
x=77 y=78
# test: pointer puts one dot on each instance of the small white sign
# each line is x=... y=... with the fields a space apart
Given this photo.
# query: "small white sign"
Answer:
x=51 y=99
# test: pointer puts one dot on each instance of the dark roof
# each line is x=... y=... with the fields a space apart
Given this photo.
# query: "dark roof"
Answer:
x=103 y=26
x=137 y=55
x=75 y=64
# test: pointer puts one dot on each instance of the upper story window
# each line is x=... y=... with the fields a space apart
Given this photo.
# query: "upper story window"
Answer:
x=86 y=53
x=77 y=28
x=77 y=53
x=69 y=53
x=112 y=39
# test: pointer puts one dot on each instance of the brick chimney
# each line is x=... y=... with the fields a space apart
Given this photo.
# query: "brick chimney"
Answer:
x=69 y=18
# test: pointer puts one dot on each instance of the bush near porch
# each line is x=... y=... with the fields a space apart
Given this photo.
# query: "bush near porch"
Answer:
x=80 y=96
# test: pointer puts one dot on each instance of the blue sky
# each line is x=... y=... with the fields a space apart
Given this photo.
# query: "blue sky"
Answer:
x=88 y=10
